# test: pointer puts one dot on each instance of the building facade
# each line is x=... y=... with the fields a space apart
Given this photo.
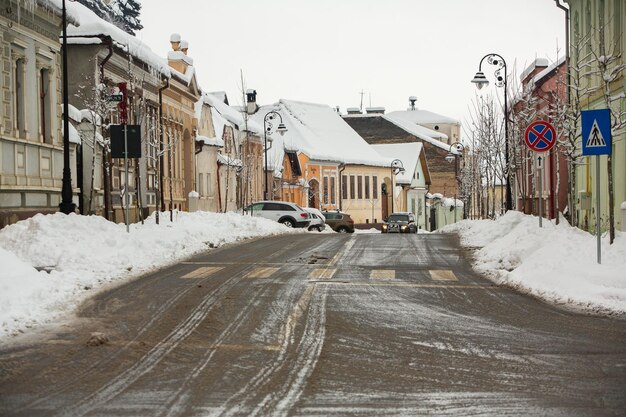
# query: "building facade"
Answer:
x=31 y=137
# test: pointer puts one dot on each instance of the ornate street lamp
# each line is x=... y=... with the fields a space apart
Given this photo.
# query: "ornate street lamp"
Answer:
x=481 y=81
x=268 y=127
x=396 y=167
x=454 y=153
x=67 y=206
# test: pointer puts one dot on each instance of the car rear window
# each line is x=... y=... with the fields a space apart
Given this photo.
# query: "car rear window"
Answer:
x=398 y=218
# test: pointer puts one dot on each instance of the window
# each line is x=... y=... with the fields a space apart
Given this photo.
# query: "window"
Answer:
x=20 y=118
x=332 y=190
x=45 y=117
x=325 y=190
x=201 y=184
x=367 y=187
x=352 y=187
x=360 y=187
x=375 y=187
x=617 y=24
x=344 y=187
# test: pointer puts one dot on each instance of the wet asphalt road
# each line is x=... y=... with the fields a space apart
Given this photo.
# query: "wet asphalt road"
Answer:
x=317 y=325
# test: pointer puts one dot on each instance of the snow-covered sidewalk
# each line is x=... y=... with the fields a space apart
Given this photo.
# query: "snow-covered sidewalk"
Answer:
x=83 y=253
x=555 y=263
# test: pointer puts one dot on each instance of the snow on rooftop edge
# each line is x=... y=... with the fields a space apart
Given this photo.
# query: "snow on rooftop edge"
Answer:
x=91 y=24
x=321 y=133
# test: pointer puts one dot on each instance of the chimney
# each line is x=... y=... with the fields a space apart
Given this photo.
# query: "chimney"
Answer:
x=175 y=41
x=251 y=106
x=184 y=46
x=177 y=58
x=412 y=101
x=375 y=110
x=353 y=110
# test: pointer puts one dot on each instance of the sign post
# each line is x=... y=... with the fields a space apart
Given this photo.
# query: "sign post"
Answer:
x=540 y=137
x=596 y=132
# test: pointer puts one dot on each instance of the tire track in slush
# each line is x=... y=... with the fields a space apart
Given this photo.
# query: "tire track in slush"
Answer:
x=120 y=383
x=176 y=404
x=306 y=354
x=91 y=369
x=282 y=400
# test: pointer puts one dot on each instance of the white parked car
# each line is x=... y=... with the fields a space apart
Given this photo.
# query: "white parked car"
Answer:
x=289 y=214
x=318 y=221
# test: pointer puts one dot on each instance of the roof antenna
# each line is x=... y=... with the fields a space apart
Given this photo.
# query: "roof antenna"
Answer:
x=362 y=93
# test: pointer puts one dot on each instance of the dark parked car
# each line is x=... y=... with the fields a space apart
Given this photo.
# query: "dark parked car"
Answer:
x=339 y=222
x=400 y=223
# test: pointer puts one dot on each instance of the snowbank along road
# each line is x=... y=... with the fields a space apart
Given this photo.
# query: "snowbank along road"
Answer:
x=319 y=324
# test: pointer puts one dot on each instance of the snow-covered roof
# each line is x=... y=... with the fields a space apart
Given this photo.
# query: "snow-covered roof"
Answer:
x=74 y=114
x=227 y=160
x=210 y=141
x=547 y=70
x=408 y=153
x=92 y=25
x=423 y=117
x=74 y=135
x=56 y=6
x=231 y=114
x=539 y=62
x=416 y=130
x=318 y=131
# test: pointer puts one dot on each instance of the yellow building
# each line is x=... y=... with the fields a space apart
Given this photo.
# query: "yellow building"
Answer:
x=321 y=162
x=179 y=126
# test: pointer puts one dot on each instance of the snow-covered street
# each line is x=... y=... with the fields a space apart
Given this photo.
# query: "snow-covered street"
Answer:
x=52 y=263
x=304 y=324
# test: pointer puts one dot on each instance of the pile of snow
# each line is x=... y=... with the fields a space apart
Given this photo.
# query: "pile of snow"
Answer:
x=83 y=253
x=555 y=263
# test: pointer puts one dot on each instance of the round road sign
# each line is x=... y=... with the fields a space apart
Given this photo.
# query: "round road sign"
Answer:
x=540 y=136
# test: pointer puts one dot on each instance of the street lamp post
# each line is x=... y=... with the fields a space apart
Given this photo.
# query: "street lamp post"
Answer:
x=481 y=81
x=396 y=167
x=67 y=206
x=268 y=127
x=458 y=149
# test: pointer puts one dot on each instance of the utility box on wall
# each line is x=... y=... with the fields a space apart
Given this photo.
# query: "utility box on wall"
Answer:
x=584 y=199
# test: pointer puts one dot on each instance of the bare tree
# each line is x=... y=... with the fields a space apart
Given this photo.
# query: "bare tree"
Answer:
x=609 y=65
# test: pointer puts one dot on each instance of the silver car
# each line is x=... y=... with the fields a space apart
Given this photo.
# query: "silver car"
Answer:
x=318 y=221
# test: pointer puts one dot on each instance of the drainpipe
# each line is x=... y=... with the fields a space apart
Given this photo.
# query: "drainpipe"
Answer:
x=161 y=158
x=572 y=199
x=342 y=168
x=107 y=161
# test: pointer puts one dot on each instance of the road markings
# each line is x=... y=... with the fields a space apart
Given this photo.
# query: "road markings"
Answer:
x=203 y=272
x=322 y=273
x=442 y=275
x=383 y=274
x=341 y=252
x=407 y=285
x=262 y=272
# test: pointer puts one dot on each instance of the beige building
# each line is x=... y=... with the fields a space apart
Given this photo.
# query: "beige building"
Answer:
x=179 y=128
x=31 y=139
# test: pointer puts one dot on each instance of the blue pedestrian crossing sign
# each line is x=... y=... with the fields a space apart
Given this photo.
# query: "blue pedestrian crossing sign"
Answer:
x=596 y=130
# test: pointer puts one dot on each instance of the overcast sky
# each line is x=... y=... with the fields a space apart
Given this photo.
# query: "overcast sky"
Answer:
x=328 y=51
